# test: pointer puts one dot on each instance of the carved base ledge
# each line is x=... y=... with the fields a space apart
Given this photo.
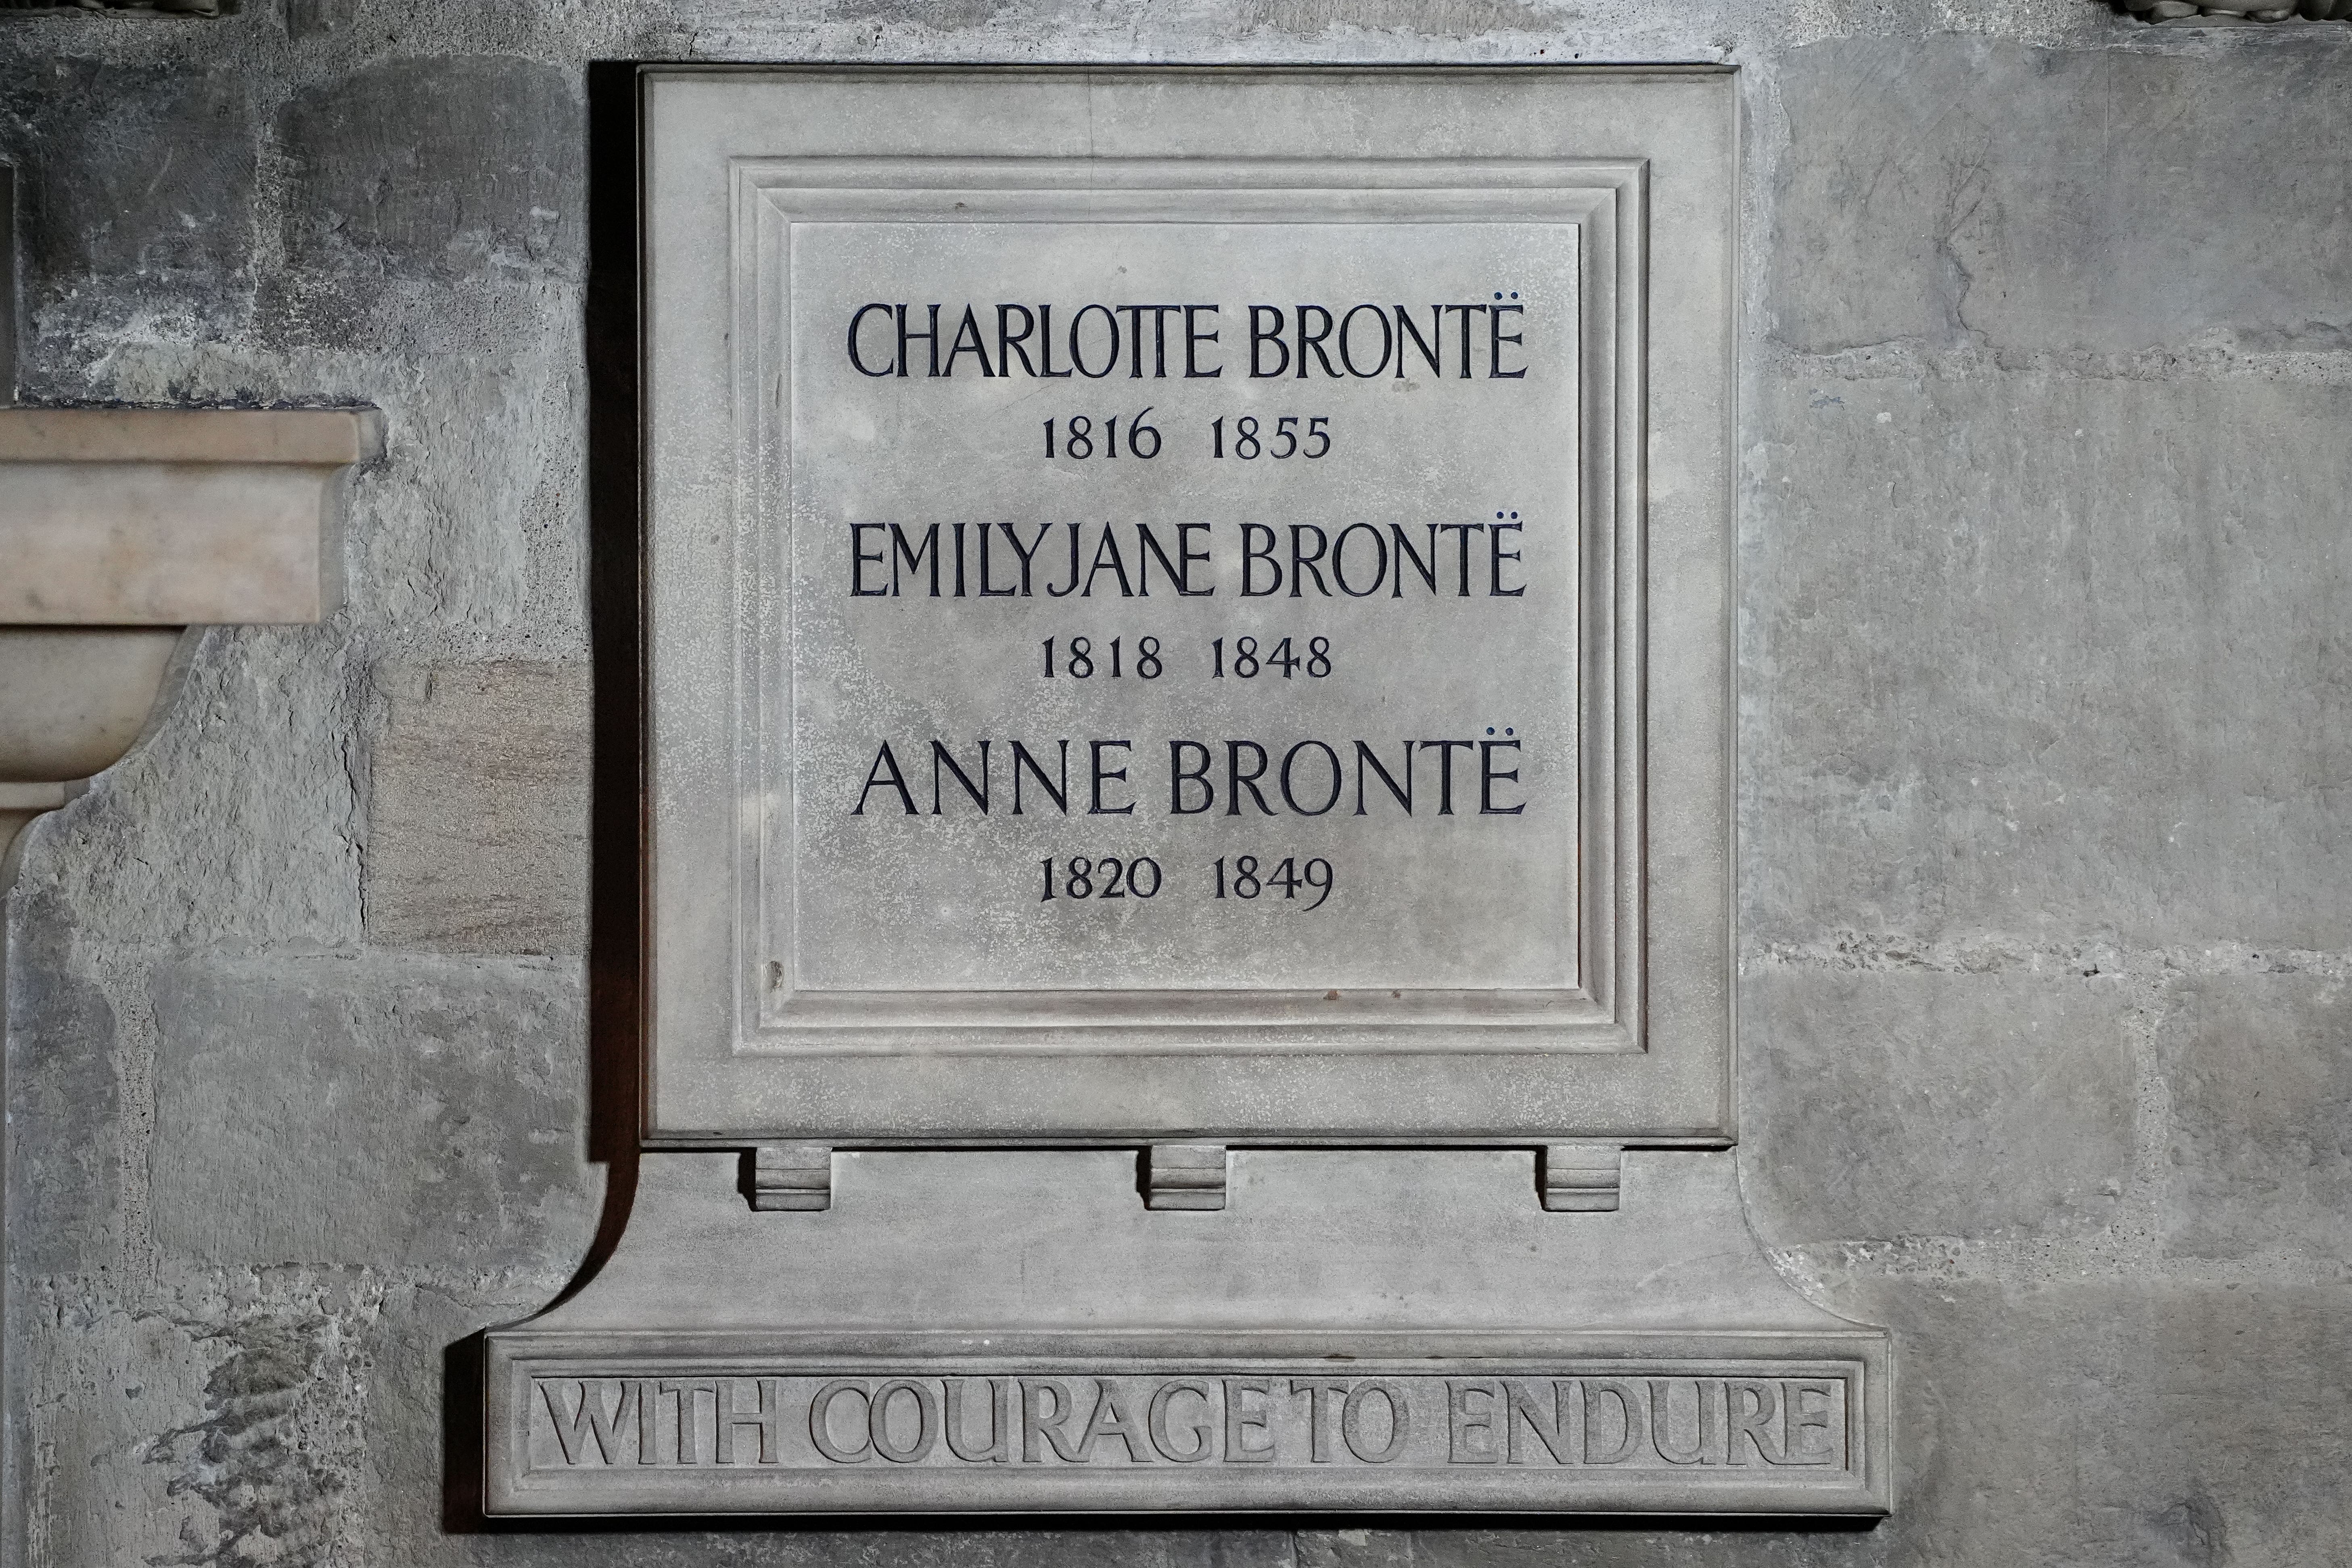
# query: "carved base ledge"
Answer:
x=1009 y=1332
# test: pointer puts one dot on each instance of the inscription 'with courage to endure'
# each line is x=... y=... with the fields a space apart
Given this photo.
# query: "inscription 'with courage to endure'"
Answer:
x=1141 y=1419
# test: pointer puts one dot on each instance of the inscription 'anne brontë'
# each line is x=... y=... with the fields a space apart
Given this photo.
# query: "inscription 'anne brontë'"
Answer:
x=1127 y=1420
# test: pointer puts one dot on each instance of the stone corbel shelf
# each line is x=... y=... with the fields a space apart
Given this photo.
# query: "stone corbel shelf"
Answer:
x=119 y=529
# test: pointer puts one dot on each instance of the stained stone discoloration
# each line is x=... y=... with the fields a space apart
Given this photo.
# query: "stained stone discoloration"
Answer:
x=434 y=168
x=378 y=1112
x=269 y=1497
x=478 y=811
x=62 y=1101
x=1427 y=18
x=138 y=177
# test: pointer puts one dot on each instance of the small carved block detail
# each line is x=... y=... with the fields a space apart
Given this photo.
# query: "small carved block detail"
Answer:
x=791 y=1176
x=1580 y=1178
x=1184 y=1176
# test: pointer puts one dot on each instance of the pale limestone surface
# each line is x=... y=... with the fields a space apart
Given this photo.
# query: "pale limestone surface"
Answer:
x=1997 y=215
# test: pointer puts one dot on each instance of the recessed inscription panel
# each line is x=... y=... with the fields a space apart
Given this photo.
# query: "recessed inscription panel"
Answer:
x=1179 y=605
x=1747 y=1430
x=1171 y=600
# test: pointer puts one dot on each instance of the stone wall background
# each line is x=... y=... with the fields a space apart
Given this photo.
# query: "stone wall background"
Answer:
x=2045 y=744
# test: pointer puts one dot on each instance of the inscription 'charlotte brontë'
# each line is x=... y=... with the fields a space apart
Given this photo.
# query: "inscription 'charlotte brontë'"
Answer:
x=1201 y=614
x=1668 y=1423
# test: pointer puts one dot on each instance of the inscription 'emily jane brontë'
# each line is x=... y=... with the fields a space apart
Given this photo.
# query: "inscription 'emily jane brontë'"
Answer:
x=1130 y=1419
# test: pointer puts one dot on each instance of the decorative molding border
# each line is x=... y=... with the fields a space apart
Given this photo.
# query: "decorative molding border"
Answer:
x=1603 y=203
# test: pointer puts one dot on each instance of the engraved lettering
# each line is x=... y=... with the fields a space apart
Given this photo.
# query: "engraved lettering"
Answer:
x=1750 y=1407
x=766 y=1417
x=1242 y=1420
x=1524 y=1408
x=1046 y=1412
x=1110 y=1420
x=1200 y=1445
x=885 y=774
x=686 y=1390
x=1471 y=1408
x=998 y=1448
x=878 y=1412
x=1806 y=1418
x=1537 y=1418
x=821 y=1422
x=1323 y=1398
x=1626 y=1420
x=591 y=1418
x=1356 y=1421
x=1194 y=339
x=1662 y=1419
x=854 y=321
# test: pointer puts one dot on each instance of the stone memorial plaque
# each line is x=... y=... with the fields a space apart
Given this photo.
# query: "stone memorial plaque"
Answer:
x=1188 y=837
x=1189 y=604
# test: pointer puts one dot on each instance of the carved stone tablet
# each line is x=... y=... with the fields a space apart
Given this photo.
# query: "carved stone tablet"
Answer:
x=1189 y=604
x=1189 y=837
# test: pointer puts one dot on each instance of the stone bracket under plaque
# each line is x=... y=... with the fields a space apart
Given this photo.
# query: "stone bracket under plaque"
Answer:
x=1580 y=1178
x=788 y=1177
x=1185 y=1176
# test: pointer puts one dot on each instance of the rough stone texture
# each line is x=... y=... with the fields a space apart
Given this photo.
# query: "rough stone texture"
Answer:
x=1955 y=1105
x=2043 y=696
x=375 y=1109
x=2261 y=1155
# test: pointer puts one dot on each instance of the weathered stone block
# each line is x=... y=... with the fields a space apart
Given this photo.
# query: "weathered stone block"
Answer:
x=436 y=168
x=1953 y=190
x=2260 y=1073
x=64 y=1167
x=135 y=174
x=2051 y=657
x=1899 y=1103
x=370 y=1112
x=478 y=823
